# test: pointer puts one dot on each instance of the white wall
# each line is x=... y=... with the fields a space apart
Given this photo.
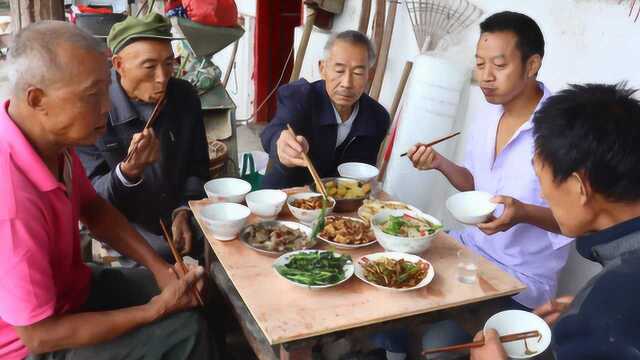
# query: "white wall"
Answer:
x=586 y=41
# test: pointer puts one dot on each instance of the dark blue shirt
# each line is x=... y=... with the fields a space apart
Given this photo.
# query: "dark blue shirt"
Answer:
x=308 y=109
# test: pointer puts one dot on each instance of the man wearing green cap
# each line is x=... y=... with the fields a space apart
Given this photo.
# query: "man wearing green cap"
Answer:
x=150 y=173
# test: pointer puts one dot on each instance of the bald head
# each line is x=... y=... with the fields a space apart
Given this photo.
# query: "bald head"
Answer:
x=40 y=54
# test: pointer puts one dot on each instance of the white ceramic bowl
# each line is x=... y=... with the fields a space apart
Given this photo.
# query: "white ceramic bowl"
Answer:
x=307 y=216
x=225 y=219
x=359 y=271
x=517 y=321
x=471 y=207
x=229 y=190
x=410 y=245
x=266 y=204
x=359 y=171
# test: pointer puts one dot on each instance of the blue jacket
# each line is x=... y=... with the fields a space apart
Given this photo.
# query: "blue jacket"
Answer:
x=178 y=176
x=604 y=319
x=307 y=107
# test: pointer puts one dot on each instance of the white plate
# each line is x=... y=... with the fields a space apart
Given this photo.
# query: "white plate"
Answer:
x=410 y=208
x=346 y=246
x=284 y=259
x=517 y=321
x=431 y=273
x=290 y=224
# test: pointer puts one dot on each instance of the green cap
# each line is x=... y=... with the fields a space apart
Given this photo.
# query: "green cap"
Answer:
x=153 y=25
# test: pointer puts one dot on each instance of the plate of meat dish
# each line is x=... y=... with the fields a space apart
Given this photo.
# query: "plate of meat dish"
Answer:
x=277 y=237
x=346 y=232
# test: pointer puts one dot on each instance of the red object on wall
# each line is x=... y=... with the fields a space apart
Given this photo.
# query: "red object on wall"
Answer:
x=275 y=23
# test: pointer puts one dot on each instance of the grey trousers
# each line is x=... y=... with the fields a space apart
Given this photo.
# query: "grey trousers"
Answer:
x=179 y=336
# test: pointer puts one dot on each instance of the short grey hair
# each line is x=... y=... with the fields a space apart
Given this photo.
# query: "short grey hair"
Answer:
x=353 y=37
x=34 y=57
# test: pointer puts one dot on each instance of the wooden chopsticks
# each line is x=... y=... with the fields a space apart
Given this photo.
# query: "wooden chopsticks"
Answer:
x=314 y=174
x=178 y=259
x=437 y=141
x=479 y=343
x=152 y=120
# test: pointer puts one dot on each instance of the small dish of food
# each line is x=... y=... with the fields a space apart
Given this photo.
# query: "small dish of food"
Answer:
x=405 y=231
x=277 y=237
x=307 y=206
x=348 y=193
x=346 y=232
x=371 y=208
x=314 y=269
x=395 y=271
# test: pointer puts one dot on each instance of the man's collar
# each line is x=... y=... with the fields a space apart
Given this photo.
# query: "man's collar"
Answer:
x=604 y=245
x=352 y=116
x=122 y=111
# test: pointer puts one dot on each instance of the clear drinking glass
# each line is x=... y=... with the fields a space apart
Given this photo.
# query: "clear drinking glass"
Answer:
x=467 y=266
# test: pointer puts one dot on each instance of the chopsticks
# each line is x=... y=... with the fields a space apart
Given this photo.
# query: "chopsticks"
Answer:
x=312 y=170
x=152 y=120
x=178 y=259
x=479 y=343
x=437 y=141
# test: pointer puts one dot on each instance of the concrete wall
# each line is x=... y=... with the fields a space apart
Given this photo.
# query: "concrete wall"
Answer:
x=587 y=41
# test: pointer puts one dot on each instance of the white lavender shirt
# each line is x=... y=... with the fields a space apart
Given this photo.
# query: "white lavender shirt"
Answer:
x=531 y=254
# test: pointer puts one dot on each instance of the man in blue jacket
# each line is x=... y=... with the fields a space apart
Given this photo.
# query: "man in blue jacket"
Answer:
x=587 y=155
x=170 y=163
x=335 y=122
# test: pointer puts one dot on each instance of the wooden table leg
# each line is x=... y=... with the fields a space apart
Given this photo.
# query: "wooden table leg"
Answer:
x=295 y=354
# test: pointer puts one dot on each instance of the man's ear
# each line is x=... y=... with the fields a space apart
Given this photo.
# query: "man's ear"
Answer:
x=582 y=187
x=533 y=65
x=35 y=98
x=322 y=67
x=117 y=62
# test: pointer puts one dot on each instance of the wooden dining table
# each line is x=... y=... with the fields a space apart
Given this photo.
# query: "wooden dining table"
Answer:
x=281 y=320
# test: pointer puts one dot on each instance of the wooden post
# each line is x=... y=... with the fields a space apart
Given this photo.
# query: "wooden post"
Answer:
x=25 y=12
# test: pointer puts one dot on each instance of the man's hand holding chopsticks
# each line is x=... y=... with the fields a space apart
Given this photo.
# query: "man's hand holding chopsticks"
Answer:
x=181 y=231
x=144 y=150
x=178 y=294
x=290 y=149
x=492 y=348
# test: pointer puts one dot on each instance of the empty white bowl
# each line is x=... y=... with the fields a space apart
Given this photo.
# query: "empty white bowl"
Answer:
x=225 y=220
x=229 y=190
x=518 y=321
x=409 y=245
x=359 y=171
x=471 y=207
x=266 y=204
x=308 y=216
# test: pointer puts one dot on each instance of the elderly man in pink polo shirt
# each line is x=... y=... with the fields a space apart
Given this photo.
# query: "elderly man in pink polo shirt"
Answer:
x=52 y=306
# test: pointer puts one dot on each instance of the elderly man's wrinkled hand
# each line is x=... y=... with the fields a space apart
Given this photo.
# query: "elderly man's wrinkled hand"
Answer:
x=423 y=158
x=511 y=216
x=144 y=150
x=492 y=348
x=178 y=295
x=181 y=230
x=290 y=149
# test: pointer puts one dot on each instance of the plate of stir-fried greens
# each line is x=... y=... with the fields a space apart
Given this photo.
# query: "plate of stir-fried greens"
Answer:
x=314 y=269
x=395 y=271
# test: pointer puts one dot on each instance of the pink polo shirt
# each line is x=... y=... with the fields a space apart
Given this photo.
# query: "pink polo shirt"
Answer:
x=41 y=271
